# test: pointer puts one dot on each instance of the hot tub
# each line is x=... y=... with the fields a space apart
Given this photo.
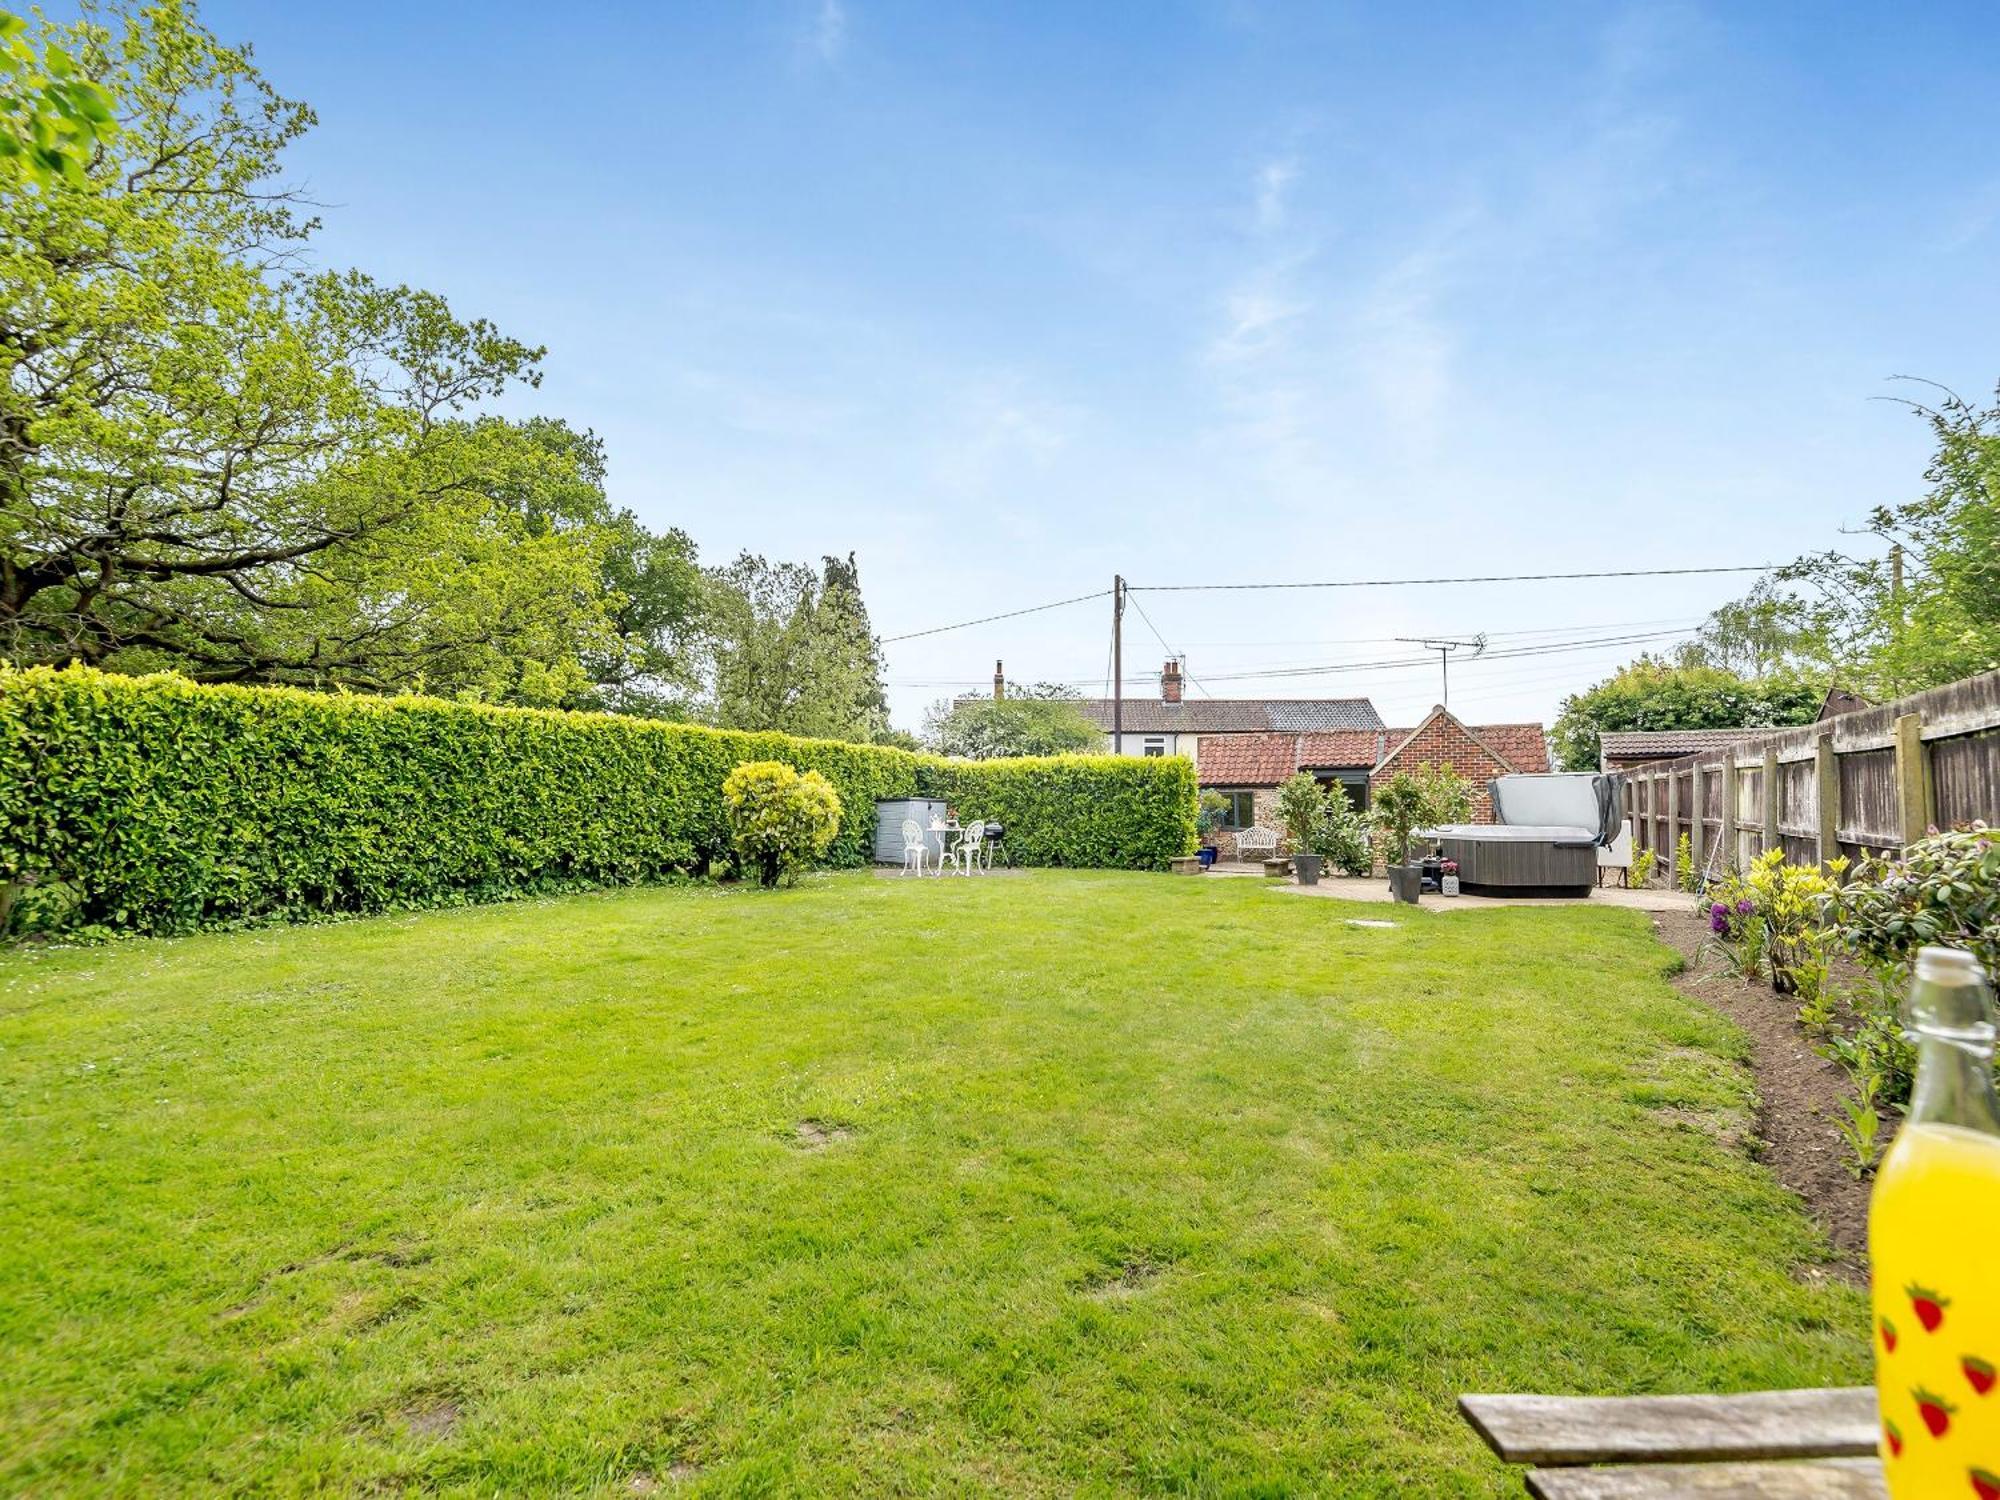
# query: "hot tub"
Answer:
x=1545 y=842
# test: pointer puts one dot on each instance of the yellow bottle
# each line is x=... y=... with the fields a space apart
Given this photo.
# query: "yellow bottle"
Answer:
x=1934 y=1243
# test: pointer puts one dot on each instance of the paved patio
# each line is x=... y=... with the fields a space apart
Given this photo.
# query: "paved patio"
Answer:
x=1350 y=888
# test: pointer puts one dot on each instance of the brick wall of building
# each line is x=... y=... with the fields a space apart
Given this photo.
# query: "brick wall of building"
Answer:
x=1443 y=740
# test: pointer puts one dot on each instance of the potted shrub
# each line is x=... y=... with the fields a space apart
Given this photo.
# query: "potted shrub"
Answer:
x=1302 y=808
x=1406 y=802
x=1343 y=836
x=1210 y=813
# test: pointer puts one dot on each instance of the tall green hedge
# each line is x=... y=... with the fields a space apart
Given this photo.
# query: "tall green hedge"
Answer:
x=163 y=806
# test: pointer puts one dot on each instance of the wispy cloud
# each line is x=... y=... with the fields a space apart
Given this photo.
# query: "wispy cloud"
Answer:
x=1273 y=186
x=822 y=35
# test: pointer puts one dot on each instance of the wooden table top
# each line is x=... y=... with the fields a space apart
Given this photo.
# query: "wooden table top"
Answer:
x=1763 y=1445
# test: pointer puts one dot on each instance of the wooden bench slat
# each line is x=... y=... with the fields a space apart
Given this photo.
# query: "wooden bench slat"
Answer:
x=1634 y=1429
x=1817 y=1479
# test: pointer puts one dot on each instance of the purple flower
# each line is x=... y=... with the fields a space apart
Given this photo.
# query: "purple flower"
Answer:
x=1745 y=907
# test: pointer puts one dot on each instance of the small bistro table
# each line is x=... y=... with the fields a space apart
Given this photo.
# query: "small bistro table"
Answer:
x=1766 y=1445
x=944 y=833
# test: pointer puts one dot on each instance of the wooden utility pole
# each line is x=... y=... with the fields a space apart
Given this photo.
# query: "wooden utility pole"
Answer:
x=1117 y=664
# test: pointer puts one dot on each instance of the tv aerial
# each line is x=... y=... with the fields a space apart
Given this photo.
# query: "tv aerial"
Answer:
x=1444 y=649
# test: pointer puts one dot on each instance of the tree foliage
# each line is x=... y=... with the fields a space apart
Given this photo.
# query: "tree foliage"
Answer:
x=51 y=118
x=215 y=460
x=1921 y=609
x=1654 y=694
x=1040 y=718
x=1423 y=798
x=1321 y=820
x=794 y=651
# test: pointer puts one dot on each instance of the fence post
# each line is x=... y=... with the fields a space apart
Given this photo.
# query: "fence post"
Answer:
x=1913 y=792
x=1826 y=773
x=1697 y=831
x=1673 y=839
x=1730 y=852
x=1772 y=838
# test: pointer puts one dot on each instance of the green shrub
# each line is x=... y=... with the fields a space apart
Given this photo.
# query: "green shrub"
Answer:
x=155 y=805
x=1211 y=812
x=1320 y=820
x=1301 y=807
x=1077 y=811
x=1770 y=922
x=1432 y=795
x=779 y=819
x=1684 y=874
x=1942 y=889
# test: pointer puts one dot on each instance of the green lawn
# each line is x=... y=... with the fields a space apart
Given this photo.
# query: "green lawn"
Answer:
x=1106 y=1183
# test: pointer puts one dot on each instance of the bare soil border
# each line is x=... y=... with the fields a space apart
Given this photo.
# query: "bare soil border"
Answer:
x=1799 y=1095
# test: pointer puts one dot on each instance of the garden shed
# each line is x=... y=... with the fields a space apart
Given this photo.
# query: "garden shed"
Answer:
x=889 y=815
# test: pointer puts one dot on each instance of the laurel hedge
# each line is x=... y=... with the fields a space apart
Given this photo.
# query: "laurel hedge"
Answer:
x=156 y=805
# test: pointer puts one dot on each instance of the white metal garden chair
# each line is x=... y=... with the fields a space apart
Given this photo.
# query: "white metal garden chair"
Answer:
x=916 y=846
x=971 y=841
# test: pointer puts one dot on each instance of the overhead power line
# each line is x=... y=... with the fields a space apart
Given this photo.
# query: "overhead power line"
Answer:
x=1342 y=583
x=1546 y=648
x=1180 y=656
x=1397 y=583
x=1011 y=614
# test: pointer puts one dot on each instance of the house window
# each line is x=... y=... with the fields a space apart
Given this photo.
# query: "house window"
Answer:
x=1157 y=745
x=1242 y=809
x=1353 y=783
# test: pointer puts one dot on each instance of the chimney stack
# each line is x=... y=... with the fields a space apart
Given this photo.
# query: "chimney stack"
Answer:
x=999 y=683
x=1170 y=682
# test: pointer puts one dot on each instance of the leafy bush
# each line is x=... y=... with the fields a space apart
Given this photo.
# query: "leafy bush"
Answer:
x=1684 y=873
x=1407 y=801
x=1301 y=806
x=1039 y=719
x=1210 y=813
x=1770 y=922
x=1942 y=889
x=1653 y=694
x=1126 y=812
x=153 y=805
x=1642 y=868
x=1320 y=820
x=779 y=820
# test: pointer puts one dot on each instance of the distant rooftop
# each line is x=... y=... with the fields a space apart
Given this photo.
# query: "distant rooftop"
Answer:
x=1666 y=744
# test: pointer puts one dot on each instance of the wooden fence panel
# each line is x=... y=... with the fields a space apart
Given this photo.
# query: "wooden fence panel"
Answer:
x=1749 y=811
x=1868 y=812
x=1798 y=800
x=1865 y=780
x=1966 y=771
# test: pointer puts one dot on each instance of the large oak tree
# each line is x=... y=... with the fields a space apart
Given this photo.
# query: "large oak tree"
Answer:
x=216 y=458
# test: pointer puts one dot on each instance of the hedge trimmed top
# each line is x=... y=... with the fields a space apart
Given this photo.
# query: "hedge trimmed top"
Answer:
x=160 y=805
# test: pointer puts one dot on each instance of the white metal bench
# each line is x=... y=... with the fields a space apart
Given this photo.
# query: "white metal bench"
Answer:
x=1255 y=843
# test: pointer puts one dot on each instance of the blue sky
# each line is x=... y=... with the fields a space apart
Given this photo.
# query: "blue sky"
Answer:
x=1009 y=299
